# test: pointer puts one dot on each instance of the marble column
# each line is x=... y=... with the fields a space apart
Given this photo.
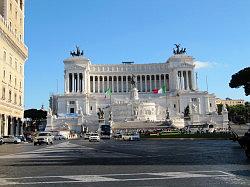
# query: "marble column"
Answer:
x=113 y=90
x=103 y=91
x=122 y=84
x=72 y=82
x=150 y=83
x=93 y=84
x=140 y=83
x=155 y=87
x=117 y=84
x=187 y=77
x=65 y=83
x=182 y=80
x=107 y=82
x=127 y=84
x=78 y=82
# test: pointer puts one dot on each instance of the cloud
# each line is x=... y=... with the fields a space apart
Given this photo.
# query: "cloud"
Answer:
x=200 y=64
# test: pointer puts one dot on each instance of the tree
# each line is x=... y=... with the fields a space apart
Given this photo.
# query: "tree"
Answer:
x=241 y=78
x=238 y=114
x=35 y=114
x=37 y=118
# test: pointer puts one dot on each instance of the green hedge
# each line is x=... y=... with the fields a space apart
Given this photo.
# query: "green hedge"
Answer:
x=196 y=135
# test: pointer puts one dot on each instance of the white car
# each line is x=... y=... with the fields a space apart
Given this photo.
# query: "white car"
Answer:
x=86 y=136
x=94 y=137
x=43 y=138
x=11 y=139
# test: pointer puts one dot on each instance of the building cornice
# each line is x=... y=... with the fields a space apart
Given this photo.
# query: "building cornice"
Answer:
x=10 y=38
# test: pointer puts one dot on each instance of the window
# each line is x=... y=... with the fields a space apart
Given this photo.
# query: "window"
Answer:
x=21 y=70
x=4 y=56
x=15 y=98
x=20 y=100
x=20 y=85
x=72 y=110
x=3 y=93
x=10 y=61
x=72 y=102
x=15 y=82
x=4 y=74
x=10 y=7
x=91 y=108
x=10 y=78
x=194 y=100
x=21 y=4
x=9 y=96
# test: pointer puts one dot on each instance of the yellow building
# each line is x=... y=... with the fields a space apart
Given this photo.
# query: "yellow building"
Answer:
x=230 y=102
x=13 y=54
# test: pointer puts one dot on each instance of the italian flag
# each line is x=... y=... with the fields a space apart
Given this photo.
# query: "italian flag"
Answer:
x=108 y=92
x=162 y=90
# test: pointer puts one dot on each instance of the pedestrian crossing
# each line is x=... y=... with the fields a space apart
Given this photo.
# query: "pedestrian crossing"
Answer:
x=66 y=150
x=122 y=177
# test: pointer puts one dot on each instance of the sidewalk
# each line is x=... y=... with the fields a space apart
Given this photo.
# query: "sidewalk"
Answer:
x=240 y=129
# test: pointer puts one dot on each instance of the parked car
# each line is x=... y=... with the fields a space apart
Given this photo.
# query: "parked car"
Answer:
x=43 y=138
x=1 y=140
x=59 y=137
x=86 y=136
x=94 y=137
x=22 y=138
x=11 y=139
x=117 y=135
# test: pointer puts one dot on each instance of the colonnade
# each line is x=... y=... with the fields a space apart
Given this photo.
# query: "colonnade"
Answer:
x=121 y=84
x=74 y=82
x=185 y=80
x=10 y=125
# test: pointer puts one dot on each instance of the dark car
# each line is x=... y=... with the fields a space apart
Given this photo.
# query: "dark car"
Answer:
x=1 y=140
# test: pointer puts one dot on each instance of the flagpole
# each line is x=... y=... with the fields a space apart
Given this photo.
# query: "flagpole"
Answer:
x=110 y=109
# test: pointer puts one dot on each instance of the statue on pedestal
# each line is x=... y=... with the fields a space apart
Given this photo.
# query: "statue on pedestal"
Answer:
x=179 y=51
x=78 y=52
x=100 y=115
x=133 y=81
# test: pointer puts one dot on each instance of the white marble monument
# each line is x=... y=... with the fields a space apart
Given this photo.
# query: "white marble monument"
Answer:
x=135 y=98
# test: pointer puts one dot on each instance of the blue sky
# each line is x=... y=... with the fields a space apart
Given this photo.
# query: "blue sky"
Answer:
x=215 y=33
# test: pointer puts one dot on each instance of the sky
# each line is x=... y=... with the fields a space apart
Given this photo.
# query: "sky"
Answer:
x=215 y=33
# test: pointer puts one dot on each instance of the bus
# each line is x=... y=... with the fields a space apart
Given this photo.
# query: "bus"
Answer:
x=105 y=131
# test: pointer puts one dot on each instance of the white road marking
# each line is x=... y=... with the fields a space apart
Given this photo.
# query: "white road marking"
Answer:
x=115 y=177
x=66 y=150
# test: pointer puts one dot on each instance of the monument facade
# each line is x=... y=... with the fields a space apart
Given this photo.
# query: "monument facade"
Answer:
x=135 y=94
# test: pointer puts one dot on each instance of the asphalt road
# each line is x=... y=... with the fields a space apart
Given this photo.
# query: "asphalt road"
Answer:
x=113 y=162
